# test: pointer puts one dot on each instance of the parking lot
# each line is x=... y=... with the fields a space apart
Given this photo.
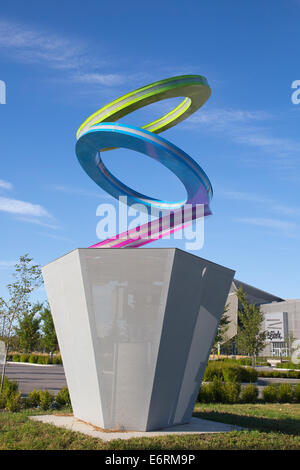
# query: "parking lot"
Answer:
x=39 y=377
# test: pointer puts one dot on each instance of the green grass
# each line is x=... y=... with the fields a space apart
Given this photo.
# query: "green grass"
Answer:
x=271 y=426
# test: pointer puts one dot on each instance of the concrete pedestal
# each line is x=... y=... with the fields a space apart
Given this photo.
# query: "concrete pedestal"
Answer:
x=135 y=329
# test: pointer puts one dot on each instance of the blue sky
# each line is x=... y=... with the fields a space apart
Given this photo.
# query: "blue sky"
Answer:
x=62 y=60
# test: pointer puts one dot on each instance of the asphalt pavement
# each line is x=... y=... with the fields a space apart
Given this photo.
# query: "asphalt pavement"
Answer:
x=39 y=377
x=52 y=378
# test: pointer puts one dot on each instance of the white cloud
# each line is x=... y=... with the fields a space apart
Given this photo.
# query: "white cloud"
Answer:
x=81 y=192
x=100 y=79
x=7 y=264
x=56 y=237
x=38 y=222
x=15 y=206
x=30 y=45
x=224 y=117
x=242 y=196
x=5 y=185
x=266 y=202
x=288 y=228
x=245 y=127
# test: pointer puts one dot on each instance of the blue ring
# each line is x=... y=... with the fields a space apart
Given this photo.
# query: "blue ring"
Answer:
x=100 y=136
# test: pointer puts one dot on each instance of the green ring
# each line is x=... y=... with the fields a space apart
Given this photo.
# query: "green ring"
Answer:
x=194 y=88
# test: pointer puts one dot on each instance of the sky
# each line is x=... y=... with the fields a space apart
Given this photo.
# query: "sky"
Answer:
x=62 y=60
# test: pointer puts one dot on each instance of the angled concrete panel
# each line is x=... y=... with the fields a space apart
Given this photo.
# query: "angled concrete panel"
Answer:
x=135 y=327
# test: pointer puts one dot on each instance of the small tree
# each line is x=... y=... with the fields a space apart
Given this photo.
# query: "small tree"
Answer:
x=250 y=337
x=27 y=277
x=222 y=329
x=49 y=339
x=28 y=329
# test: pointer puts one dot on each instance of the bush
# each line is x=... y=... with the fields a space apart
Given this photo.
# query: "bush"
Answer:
x=56 y=359
x=24 y=357
x=46 y=399
x=33 y=398
x=252 y=374
x=287 y=365
x=245 y=361
x=249 y=394
x=16 y=357
x=63 y=397
x=297 y=393
x=294 y=374
x=232 y=373
x=10 y=397
x=270 y=393
x=13 y=402
x=33 y=358
x=231 y=392
x=285 y=393
x=43 y=360
x=213 y=371
x=229 y=372
x=219 y=392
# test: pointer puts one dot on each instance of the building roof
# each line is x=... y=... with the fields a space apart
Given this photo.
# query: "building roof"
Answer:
x=255 y=295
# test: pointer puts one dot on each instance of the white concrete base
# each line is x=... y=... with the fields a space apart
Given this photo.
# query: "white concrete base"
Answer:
x=135 y=328
x=196 y=426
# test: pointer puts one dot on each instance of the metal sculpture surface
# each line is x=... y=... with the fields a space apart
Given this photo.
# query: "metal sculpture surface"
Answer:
x=100 y=132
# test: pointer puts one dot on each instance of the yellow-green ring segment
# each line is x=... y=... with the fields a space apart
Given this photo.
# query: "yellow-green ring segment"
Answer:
x=194 y=88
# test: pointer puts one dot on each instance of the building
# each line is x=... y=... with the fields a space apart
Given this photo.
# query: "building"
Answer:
x=281 y=317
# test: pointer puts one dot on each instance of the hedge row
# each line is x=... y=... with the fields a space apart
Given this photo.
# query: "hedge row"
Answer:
x=243 y=361
x=11 y=400
x=287 y=365
x=218 y=391
x=281 y=393
x=35 y=358
x=228 y=372
x=288 y=374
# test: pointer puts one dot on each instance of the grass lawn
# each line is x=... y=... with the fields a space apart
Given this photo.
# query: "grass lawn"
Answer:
x=274 y=426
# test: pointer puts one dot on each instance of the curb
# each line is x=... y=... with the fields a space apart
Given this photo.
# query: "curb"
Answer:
x=33 y=364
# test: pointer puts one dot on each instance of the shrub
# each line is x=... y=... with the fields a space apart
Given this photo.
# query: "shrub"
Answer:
x=16 y=357
x=24 y=357
x=232 y=373
x=34 y=398
x=43 y=360
x=297 y=393
x=249 y=394
x=219 y=392
x=9 y=388
x=285 y=393
x=33 y=358
x=46 y=399
x=10 y=398
x=2 y=401
x=282 y=374
x=63 y=397
x=252 y=374
x=270 y=393
x=287 y=365
x=231 y=392
x=212 y=371
x=229 y=372
x=56 y=360
x=245 y=361
x=212 y=392
x=13 y=402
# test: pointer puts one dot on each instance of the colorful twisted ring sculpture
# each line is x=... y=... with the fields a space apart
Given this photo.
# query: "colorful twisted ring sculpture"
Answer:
x=100 y=132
